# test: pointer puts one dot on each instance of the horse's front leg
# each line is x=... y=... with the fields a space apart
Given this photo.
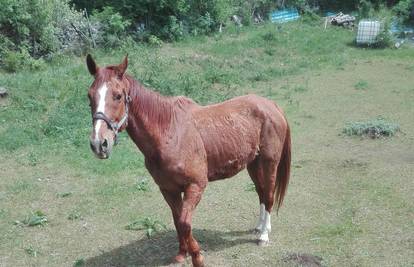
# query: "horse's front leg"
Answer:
x=192 y=196
x=175 y=202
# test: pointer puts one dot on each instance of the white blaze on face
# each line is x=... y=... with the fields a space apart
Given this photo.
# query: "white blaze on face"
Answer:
x=101 y=108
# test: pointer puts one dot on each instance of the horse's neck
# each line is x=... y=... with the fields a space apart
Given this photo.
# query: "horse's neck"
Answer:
x=150 y=118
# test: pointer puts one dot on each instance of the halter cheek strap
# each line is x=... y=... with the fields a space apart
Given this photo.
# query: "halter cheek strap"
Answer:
x=113 y=125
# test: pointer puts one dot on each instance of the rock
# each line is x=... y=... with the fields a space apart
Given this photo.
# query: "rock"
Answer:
x=3 y=92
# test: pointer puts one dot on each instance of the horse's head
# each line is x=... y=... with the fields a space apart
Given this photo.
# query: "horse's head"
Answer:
x=109 y=99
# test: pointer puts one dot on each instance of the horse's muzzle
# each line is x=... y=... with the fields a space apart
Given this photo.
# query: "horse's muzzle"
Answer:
x=101 y=148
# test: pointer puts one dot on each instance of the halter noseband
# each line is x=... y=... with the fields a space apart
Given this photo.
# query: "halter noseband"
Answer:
x=113 y=125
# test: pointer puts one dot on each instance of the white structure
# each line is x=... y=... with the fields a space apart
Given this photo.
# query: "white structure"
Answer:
x=368 y=32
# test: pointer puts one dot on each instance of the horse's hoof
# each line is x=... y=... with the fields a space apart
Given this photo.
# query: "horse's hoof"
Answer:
x=180 y=258
x=263 y=243
x=198 y=261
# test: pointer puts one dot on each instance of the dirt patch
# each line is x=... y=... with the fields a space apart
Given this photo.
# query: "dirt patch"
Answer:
x=304 y=259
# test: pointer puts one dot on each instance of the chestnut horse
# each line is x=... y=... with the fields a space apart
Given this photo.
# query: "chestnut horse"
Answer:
x=187 y=145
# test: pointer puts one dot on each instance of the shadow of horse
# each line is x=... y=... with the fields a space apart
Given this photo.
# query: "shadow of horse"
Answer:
x=160 y=250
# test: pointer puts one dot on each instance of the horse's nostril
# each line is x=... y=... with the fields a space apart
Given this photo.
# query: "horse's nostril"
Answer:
x=105 y=144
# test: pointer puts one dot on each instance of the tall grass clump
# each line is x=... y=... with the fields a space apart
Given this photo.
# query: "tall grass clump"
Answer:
x=373 y=128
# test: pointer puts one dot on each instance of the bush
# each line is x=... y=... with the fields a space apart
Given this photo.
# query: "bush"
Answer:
x=154 y=40
x=28 y=24
x=373 y=128
x=14 y=61
x=38 y=28
x=73 y=30
x=111 y=25
x=173 y=30
x=403 y=10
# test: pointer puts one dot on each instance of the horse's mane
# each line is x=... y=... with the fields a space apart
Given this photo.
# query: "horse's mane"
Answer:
x=159 y=109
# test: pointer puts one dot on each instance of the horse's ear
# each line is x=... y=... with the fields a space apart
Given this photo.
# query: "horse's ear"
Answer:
x=91 y=65
x=122 y=67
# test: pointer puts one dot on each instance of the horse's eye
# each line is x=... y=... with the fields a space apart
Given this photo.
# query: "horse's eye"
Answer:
x=118 y=97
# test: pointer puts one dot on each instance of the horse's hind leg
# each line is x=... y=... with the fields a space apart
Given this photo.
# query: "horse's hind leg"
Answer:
x=256 y=174
x=263 y=173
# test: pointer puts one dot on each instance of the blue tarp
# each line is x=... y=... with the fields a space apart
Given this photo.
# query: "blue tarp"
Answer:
x=397 y=28
x=284 y=15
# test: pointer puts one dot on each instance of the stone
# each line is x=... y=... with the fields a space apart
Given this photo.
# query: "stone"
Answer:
x=3 y=92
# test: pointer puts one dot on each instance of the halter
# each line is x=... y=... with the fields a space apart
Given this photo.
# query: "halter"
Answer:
x=113 y=125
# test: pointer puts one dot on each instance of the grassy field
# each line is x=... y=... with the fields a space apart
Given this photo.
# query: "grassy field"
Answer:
x=350 y=200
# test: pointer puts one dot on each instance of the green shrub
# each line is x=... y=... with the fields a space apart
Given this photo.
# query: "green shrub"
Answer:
x=154 y=40
x=403 y=10
x=173 y=30
x=365 y=9
x=111 y=25
x=29 y=24
x=39 y=28
x=14 y=61
x=374 y=128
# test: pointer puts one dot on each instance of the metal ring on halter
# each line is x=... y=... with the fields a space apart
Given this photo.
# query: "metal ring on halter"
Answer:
x=114 y=126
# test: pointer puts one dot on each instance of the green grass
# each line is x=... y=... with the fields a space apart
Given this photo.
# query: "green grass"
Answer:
x=349 y=200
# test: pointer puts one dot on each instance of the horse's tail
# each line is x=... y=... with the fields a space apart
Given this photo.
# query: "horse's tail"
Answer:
x=283 y=170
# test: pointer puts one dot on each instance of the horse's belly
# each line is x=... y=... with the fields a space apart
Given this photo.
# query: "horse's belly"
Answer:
x=228 y=170
x=230 y=161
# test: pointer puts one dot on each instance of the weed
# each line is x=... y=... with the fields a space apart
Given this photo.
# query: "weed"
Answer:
x=269 y=36
x=269 y=51
x=79 y=263
x=250 y=187
x=75 y=215
x=3 y=213
x=151 y=226
x=33 y=159
x=35 y=218
x=259 y=76
x=361 y=85
x=143 y=185
x=20 y=186
x=373 y=128
x=31 y=251
x=309 y=116
x=64 y=194
x=299 y=89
